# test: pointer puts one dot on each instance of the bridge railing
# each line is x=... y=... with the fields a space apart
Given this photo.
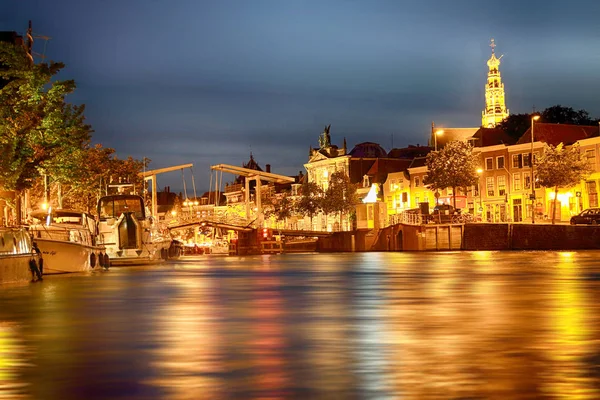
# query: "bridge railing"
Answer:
x=221 y=219
x=407 y=218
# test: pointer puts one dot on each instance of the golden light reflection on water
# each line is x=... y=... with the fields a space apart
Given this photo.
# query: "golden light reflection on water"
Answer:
x=480 y=325
x=12 y=363
x=570 y=338
x=188 y=354
x=478 y=330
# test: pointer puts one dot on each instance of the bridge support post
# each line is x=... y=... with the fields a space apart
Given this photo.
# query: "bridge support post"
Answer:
x=247 y=196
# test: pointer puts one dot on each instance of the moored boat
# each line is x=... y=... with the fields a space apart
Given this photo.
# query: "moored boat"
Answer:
x=131 y=237
x=16 y=253
x=218 y=247
x=68 y=241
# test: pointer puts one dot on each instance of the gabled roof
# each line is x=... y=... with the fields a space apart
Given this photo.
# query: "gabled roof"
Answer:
x=490 y=137
x=555 y=134
x=451 y=134
x=418 y=162
x=410 y=152
x=252 y=164
x=376 y=169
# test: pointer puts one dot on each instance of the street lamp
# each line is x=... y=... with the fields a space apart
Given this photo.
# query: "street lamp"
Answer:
x=435 y=135
x=533 y=119
x=479 y=172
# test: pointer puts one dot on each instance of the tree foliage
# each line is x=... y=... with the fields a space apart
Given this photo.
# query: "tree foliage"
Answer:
x=566 y=115
x=42 y=134
x=96 y=168
x=310 y=200
x=39 y=131
x=561 y=167
x=341 y=195
x=515 y=125
x=453 y=166
x=278 y=206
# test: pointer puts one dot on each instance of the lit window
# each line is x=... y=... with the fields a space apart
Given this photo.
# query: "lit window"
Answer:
x=500 y=162
x=590 y=155
x=490 y=186
x=517 y=181
x=527 y=180
x=501 y=185
x=517 y=161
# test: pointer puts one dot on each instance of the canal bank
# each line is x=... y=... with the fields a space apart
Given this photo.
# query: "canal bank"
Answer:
x=480 y=236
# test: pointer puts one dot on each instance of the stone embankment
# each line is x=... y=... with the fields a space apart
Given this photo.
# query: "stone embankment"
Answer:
x=480 y=236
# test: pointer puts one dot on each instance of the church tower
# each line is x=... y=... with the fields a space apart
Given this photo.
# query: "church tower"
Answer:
x=495 y=108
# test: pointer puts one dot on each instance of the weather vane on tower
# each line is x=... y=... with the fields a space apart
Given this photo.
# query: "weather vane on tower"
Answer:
x=492 y=45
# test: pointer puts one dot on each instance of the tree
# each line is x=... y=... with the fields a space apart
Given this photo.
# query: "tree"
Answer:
x=278 y=206
x=39 y=131
x=561 y=167
x=341 y=195
x=310 y=201
x=566 y=115
x=454 y=166
x=94 y=168
x=515 y=125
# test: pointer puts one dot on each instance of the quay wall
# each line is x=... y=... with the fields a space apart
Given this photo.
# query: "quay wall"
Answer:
x=555 y=237
x=480 y=236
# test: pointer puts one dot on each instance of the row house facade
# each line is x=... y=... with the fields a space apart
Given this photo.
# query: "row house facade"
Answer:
x=505 y=183
x=504 y=191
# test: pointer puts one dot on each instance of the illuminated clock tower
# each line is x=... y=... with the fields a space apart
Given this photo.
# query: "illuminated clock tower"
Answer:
x=495 y=108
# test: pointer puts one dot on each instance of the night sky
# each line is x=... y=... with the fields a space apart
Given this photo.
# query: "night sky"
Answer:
x=208 y=82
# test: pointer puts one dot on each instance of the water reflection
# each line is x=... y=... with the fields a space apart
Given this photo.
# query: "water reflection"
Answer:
x=492 y=325
x=13 y=359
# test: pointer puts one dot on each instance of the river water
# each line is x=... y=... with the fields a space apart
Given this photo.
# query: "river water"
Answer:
x=456 y=325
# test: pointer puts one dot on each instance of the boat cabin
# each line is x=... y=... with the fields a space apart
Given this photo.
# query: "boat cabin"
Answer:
x=115 y=205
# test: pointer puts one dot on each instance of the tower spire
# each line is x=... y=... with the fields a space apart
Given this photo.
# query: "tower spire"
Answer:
x=495 y=108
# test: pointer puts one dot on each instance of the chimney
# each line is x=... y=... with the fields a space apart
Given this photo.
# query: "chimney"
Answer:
x=268 y=166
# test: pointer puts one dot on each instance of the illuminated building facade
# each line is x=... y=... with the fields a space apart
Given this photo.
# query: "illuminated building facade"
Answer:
x=495 y=108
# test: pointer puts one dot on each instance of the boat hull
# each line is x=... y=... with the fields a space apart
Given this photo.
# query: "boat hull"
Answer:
x=14 y=268
x=149 y=253
x=62 y=257
x=15 y=254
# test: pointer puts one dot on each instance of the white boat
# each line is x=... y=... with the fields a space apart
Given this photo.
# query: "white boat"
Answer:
x=16 y=252
x=130 y=236
x=218 y=247
x=68 y=241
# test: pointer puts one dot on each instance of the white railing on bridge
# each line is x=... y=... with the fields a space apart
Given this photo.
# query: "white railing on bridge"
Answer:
x=407 y=218
x=220 y=219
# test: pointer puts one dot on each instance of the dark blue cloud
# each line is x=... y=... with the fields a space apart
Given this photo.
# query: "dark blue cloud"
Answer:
x=209 y=82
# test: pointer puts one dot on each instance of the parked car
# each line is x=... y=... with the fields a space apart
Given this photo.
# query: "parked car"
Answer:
x=442 y=214
x=447 y=214
x=589 y=216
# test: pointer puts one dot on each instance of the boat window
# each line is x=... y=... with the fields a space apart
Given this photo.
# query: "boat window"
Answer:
x=113 y=207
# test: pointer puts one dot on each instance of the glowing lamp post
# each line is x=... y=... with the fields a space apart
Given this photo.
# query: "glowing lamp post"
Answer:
x=435 y=135
x=533 y=119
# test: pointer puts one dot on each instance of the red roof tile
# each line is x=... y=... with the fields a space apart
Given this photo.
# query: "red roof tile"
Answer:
x=491 y=137
x=555 y=134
